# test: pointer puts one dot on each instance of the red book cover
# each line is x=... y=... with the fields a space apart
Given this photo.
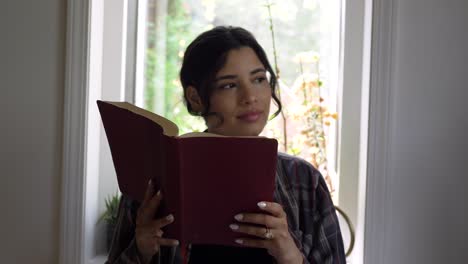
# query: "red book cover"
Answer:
x=206 y=179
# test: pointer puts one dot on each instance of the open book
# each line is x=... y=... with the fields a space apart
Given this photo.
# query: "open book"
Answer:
x=205 y=178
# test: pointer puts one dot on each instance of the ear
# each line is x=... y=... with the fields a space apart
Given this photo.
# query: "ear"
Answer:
x=194 y=99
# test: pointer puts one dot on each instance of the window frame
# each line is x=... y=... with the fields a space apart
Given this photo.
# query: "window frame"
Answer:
x=353 y=111
x=83 y=87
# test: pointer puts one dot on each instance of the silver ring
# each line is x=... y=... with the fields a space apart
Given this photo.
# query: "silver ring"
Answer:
x=268 y=234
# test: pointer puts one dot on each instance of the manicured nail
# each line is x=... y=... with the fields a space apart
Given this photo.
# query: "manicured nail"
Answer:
x=239 y=217
x=234 y=226
x=170 y=217
x=239 y=241
x=262 y=205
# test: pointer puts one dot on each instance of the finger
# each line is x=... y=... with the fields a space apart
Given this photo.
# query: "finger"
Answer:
x=162 y=222
x=148 y=193
x=273 y=208
x=260 y=219
x=160 y=233
x=154 y=202
x=167 y=242
x=150 y=208
x=255 y=243
x=154 y=230
x=148 y=233
x=249 y=230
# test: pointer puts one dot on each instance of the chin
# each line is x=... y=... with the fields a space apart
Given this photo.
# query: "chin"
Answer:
x=240 y=129
x=250 y=134
x=253 y=130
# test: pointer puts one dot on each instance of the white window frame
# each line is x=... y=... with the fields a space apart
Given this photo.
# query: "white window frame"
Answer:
x=353 y=121
x=368 y=21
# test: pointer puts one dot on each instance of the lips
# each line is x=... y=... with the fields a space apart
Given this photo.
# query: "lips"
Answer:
x=250 y=116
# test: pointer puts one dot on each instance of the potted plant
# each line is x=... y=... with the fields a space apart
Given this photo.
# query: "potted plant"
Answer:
x=110 y=216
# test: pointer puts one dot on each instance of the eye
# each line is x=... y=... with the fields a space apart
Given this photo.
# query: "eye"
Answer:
x=227 y=86
x=260 y=79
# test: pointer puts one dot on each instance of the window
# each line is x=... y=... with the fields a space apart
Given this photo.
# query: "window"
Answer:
x=119 y=70
x=304 y=51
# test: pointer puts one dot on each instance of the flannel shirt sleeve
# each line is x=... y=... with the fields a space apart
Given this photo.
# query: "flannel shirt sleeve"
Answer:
x=315 y=226
x=327 y=244
x=123 y=248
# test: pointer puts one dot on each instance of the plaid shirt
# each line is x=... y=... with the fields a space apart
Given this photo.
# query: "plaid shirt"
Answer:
x=302 y=192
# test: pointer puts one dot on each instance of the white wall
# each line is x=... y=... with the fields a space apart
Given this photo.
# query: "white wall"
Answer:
x=427 y=180
x=32 y=49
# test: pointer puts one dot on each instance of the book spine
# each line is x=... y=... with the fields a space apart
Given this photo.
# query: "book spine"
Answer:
x=173 y=192
x=180 y=163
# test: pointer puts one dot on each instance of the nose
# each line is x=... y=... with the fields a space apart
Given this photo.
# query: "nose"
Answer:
x=248 y=94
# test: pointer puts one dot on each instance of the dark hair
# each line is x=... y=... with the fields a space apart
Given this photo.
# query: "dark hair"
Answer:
x=207 y=54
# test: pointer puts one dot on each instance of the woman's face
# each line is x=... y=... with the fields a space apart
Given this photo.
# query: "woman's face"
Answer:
x=241 y=94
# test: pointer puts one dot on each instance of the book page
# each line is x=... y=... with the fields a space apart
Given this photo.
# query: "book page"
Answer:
x=207 y=134
x=169 y=128
x=199 y=134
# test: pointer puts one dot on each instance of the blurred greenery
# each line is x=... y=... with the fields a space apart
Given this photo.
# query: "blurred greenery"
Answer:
x=178 y=33
x=112 y=207
x=296 y=30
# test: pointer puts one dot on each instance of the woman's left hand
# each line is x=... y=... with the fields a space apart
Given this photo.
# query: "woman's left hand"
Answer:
x=273 y=234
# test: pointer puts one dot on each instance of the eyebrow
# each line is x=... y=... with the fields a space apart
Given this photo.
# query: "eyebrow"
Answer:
x=224 y=77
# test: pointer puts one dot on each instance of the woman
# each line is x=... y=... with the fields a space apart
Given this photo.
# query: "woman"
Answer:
x=228 y=80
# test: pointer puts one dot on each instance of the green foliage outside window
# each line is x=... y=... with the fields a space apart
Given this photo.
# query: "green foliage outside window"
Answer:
x=296 y=29
x=178 y=33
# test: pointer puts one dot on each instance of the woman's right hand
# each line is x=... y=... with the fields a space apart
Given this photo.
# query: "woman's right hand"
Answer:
x=148 y=231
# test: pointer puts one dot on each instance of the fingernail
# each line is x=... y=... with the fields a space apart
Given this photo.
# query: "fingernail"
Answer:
x=170 y=217
x=158 y=193
x=234 y=226
x=150 y=182
x=239 y=217
x=262 y=205
x=239 y=241
x=176 y=243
